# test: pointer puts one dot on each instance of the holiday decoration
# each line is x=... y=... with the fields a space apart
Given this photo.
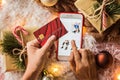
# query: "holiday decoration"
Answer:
x=12 y=64
x=0 y=2
x=47 y=76
x=14 y=47
x=101 y=13
x=49 y=2
x=55 y=69
x=59 y=5
x=104 y=59
x=117 y=74
x=10 y=43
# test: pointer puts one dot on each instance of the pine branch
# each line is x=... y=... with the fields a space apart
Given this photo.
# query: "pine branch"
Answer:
x=112 y=9
x=9 y=43
x=19 y=64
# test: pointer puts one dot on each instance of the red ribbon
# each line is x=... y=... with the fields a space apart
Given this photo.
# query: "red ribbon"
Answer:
x=22 y=30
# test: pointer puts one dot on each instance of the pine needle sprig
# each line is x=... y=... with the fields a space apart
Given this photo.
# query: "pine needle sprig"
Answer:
x=112 y=9
x=19 y=64
x=9 y=43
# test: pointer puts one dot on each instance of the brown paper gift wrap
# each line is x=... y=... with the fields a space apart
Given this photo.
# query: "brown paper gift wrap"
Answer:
x=86 y=7
x=9 y=64
x=8 y=60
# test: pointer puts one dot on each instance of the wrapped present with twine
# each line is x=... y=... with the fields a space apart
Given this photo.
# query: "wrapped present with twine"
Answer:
x=100 y=13
x=13 y=44
x=9 y=64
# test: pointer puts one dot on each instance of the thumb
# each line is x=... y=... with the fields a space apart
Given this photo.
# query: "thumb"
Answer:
x=49 y=43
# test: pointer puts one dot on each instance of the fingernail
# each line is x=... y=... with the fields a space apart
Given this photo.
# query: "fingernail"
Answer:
x=72 y=41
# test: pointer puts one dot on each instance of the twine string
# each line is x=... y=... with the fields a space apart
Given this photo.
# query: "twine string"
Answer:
x=100 y=9
x=20 y=39
x=20 y=52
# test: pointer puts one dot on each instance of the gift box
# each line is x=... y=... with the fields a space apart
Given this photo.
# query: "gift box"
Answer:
x=88 y=8
x=9 y=60
x=9 y=64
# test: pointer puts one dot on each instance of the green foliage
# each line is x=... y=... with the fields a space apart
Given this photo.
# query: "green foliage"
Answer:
x=9 y=42
x=19 y=64
x=96 y=6
x=100 y=1
x=111 y=9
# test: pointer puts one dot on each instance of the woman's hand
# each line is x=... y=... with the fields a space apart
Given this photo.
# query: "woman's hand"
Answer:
x=37 y=57
x=83 y=63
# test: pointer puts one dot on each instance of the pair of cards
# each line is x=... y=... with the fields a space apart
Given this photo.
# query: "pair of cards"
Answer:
x=66 y=28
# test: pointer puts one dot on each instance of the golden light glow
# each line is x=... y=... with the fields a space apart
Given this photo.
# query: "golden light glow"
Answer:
x=118 y=77
x=55 y=69
x=84 y=30
x=117 y=74
x=2 y=2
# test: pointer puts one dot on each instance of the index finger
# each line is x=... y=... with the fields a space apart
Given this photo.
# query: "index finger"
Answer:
x=75 y=52
x=74 y=47
x=85 y=53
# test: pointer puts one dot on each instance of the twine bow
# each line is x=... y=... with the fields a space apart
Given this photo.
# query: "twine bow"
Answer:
x=20 y=52
x=100 y=13
x=100 y=9
x=20 y=39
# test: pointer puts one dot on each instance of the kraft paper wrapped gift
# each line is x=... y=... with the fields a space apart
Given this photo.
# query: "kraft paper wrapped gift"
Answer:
x=87 y=8
x=9 y=64
x=8 y=60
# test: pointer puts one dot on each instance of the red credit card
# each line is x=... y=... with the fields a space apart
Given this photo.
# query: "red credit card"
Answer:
x=55 y=27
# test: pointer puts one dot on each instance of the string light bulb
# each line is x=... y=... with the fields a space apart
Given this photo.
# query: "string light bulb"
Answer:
x=118 y=77
x=2 y=2
x=117 y=74
x=55 y=69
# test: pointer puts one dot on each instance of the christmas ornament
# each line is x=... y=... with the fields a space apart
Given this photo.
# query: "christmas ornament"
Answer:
x=59 y=5
x=47 y=77
x=104 y=59
x=49 y=2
